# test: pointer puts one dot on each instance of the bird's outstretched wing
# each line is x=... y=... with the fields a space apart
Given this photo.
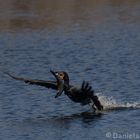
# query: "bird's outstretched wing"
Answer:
x=47 y=84
x=90 y=92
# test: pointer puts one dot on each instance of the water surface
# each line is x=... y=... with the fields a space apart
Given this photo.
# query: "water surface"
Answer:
x=96 y=41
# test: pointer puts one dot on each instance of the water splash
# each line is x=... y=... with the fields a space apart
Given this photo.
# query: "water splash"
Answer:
x=110 y=103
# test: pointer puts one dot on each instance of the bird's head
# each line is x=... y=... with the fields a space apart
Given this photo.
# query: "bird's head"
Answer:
x=62 y=81
x=62 y=75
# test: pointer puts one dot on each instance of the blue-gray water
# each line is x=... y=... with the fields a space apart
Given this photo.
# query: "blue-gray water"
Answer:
x=93 y=40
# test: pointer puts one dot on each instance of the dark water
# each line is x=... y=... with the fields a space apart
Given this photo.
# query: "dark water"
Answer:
x=93 y=40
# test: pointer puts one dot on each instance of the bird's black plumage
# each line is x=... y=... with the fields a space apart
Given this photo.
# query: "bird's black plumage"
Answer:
x=84 y=94
x=47 y=84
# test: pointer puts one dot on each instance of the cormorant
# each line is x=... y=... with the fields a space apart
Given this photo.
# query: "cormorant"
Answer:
x=83 y=95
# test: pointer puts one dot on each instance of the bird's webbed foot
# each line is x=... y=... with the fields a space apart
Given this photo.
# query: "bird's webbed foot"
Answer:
x=96 y=102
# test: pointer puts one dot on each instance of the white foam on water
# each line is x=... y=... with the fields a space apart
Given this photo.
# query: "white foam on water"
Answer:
x=109 y=103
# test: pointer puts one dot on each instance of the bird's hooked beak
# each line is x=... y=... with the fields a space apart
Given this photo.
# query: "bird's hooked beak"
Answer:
x=54 y=74
x=60 y=84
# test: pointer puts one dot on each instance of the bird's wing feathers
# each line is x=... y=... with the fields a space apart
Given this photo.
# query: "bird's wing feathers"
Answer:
x=90 y=92
x=47 y=84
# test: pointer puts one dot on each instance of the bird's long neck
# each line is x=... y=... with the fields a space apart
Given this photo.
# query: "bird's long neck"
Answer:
x=66 y=81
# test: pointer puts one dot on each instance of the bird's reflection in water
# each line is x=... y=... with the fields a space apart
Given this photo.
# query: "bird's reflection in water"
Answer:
x=86 y=117
x=64 y=121
x=77 y=120
x=90 y=117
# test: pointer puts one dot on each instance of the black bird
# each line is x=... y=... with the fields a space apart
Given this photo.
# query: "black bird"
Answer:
x=84 y=95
